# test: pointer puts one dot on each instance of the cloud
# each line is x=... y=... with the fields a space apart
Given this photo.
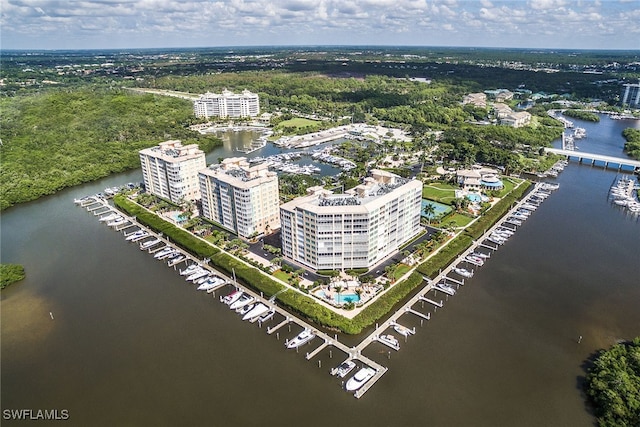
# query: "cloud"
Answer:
x=552 y=23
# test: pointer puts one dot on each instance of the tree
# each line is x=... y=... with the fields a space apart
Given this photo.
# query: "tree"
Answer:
x=429 y=211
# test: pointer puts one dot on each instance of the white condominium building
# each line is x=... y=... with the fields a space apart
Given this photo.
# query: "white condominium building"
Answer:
x=241 y=198
x=358 y=229
x=227 y=104
x=170 y=170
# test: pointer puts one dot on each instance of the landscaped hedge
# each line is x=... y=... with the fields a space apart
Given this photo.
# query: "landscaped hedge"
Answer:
x=386 y=302
x=445 y=256
x=249 y=275
x=181 y=237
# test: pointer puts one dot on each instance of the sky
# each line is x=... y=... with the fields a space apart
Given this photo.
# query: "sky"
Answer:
x=102 y=24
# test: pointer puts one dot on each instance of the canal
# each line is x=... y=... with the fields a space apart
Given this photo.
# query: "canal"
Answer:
x=131 y=344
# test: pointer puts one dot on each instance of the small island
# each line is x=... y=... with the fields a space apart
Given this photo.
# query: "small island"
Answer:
x=10 y=273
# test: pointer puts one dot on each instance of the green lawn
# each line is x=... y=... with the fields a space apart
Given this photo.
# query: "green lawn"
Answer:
x=297 y=122
x=439 y=192
x=282 y=275
x=459 y=219
x=401 y=271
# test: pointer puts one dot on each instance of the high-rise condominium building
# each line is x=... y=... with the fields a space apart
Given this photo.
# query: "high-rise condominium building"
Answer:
x=227 y=104
x=241 y=197
x=358 y=229
x=631 y=95
x=170 y=170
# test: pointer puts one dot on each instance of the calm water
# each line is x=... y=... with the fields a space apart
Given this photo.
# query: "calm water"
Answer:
x=132 y=344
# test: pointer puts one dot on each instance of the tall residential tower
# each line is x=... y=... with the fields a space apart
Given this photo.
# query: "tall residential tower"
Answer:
x=358 y=229
x=240 y=197
x=170 y=170
x=227 y=104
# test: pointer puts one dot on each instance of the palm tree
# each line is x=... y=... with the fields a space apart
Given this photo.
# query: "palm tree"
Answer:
x=429 y=211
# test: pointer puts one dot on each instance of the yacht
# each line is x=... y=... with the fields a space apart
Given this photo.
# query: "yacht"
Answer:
x=137 y=235
x=163 y=252
x=358 y=380
x=257 y=311
x=403 y=330
x=302 y=338
x=389 y=340
x=474 y=260
x=241 y=302
x=447 y=289
x=268 y=315
x=463 y=272
x=189 y=270
x=344 y=368
x=210 y=283
x=481 y=255
x=109 y=217
x=245 y=309
x=232 y=297
x=148 y=244
x=198 y=274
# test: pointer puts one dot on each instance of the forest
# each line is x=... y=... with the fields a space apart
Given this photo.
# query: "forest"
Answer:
x=632 y=146
x=60 y=138
x=613 y=385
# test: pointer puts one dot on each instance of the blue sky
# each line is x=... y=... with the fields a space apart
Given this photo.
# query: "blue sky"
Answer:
x=97 y=24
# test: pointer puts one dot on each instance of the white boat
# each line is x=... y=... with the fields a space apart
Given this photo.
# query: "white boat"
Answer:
x=232 y=297
x=474 y=260
x=403 y=330
x=245 y=309
x=447 y=289
x=390 y=341
x=257 y=311
x=148 y=244
x=172 y=253
x=268 y=315
x=163 y=252
x=344 y=368
x=137 y=235
x=189 y=270
x=116 y=221
x=463 y=272
x=109 y=217
x=302 y=338
x=175 y=261
x=358 y=380
x=481 y=255
x=197 y=275
x=241 y=302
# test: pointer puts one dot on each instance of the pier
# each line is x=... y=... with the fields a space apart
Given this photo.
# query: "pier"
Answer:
x=354 y=353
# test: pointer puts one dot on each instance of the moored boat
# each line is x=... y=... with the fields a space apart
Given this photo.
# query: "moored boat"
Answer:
x=232 y=297
x=463 y=272
x=302 y=338
x=359 y=379
x=343 y=369
x=241 y=302
x=257 y=311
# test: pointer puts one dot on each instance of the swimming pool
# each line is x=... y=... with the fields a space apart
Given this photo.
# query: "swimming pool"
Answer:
x=342 y=298
x=439 y=209
x=477 y=198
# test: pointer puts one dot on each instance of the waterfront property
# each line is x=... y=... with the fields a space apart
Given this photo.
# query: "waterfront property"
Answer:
x=170 y=170
x=240 y=197
x=358 y=229
x=227 y=104
x=479 y=178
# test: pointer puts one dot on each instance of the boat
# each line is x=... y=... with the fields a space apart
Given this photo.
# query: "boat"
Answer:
x=232 y=297
x=257 y=311
x=163 y=252
x=136 y=236
x=344 y=368
x=267 y=316
x=302 y=338
x=211 y=282
x=109 y=217
x=390 y=341
x=358 y=380
x=241 y=302
x=463 y=272
x=148 y=244
x=175 y=261
x=189 y=270
x=172 y=253
x=481 y=255
x=198 y=274
x=474 y=260
x=245 y=309
x=201 y=280
x=403 y=330
x=447 y=289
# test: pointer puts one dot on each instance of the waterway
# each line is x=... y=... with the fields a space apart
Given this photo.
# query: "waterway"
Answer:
x=131 y=344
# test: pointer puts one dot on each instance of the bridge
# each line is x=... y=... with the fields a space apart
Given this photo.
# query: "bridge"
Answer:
x=598 y=159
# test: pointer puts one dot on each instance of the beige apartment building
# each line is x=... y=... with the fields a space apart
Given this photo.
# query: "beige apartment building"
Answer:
x=357 y=229
x=170 y=170
x=240 y=197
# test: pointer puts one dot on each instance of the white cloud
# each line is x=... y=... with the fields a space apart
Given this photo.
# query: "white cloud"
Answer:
x=553 y=23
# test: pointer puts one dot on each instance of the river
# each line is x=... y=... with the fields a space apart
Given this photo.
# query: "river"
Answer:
x=131 y=344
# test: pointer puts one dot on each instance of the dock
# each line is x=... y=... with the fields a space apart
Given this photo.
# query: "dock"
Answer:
x=279 y=325
x=430 y=301
x=321 y=347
